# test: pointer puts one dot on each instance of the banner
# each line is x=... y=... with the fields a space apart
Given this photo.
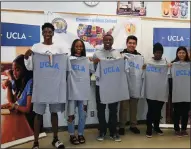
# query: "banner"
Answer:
x=91 y=30
x=171 y=39
x=19 y=34
x=16 y=126
x=175 y=9
x=131 y=8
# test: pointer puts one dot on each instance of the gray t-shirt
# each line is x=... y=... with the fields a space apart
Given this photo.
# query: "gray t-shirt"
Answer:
x=134 y=76
x=112 y=80
x=156 y=82
x=79 y=78
x=50 y=81
x=181 y=82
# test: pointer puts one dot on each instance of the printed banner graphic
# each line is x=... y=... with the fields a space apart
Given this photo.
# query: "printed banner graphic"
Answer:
x=175 y=9
x=91 y=30
x=171 y=39
x=19 y=34
x=131 y=8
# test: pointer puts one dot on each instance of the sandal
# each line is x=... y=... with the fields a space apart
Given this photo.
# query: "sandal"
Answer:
x=74 y=140
x=81 y=139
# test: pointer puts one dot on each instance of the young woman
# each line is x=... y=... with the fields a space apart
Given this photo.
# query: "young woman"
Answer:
x=181 y=109
x=155 y=105
x=77 y=50
x=20 y=100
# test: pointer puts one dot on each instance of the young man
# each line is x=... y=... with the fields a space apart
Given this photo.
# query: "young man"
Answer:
x=106 y=53
x=131 y=104
x=39 y=109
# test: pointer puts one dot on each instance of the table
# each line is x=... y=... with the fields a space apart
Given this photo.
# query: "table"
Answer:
x=13 y=127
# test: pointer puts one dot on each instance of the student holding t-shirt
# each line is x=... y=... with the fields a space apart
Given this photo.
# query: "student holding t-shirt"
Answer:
x=106 y=53
x=180 y=71
x=78 y=90
x=156 y=88
x=39 y=109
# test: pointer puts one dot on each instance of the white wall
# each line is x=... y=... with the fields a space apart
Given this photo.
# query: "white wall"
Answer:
x=146 y=43
x=153 y=8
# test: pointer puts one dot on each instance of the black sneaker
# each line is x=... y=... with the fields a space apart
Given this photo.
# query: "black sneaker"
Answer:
x=134 y=130
x=149 y=134
x=121 y=131
x=56 y=143
x=116 y=138
x=159 y=131
x=101 y=137
x=35 y=145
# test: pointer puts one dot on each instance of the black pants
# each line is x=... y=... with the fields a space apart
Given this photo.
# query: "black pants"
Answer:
x=181 y=110
x=154 y=113
x=112 y=124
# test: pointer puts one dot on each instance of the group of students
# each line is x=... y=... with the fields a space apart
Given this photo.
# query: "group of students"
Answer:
x=22 y=84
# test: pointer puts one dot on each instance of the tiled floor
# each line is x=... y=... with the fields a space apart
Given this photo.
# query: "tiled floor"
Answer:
x=128 y=141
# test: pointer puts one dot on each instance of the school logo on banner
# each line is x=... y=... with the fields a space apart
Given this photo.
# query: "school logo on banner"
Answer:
x=60 y=25
x=130 y=28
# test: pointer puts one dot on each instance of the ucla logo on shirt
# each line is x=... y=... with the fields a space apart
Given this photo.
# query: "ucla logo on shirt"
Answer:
x=134 y=65
x=153 y=69
x=60 y=25
x=112 y=69
x=47 y=65
x=183 y=72
x=78 y=68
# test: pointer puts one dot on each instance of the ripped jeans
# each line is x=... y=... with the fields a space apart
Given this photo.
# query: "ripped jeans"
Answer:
x=82 y=112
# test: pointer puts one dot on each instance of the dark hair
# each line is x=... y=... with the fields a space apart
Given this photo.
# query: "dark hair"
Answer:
x=19 y=60
x=185 y=50
x=73 y=48
x=131 y=37
x=108 y=35
x=157 y=47
x=48 y=25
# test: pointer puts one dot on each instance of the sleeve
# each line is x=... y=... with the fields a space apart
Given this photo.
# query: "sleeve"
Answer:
x=127 y=65
x=91 y=67
x=29 y=88
x=69 y=68
x=29 y=63
x=98 y=73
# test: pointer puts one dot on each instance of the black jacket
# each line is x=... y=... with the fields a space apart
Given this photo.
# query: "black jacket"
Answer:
x=126 y=51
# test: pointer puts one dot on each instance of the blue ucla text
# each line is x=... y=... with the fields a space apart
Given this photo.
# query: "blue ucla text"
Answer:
x=134 y=65
x=78 y=68
x=112 y=69
x=153 y=69
x=183 y=72
x=47 y=65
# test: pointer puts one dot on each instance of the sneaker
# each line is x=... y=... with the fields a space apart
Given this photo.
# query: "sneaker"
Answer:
x=101 y=137
x=56 y=143
x=184 y=133
x=121 y=131
x=149 y=134
x=178 y=133
x=159 y=131
x=35 y=145
x=135 y=130
x=116 y=138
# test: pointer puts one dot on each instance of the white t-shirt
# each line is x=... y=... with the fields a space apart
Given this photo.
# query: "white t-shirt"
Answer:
x=42 y=49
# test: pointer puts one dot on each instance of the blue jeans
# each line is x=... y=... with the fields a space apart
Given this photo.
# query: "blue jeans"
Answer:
x=82 y=112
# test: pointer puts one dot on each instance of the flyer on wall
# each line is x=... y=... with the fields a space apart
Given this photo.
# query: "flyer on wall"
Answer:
x=175 y=9
x=17 y=124
x=137 y=8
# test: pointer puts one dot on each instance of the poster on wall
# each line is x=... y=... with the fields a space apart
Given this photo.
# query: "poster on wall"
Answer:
x=17 y=122
x=91 y=30
x=131 y=8
x=175 y=9
x=171 y=39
